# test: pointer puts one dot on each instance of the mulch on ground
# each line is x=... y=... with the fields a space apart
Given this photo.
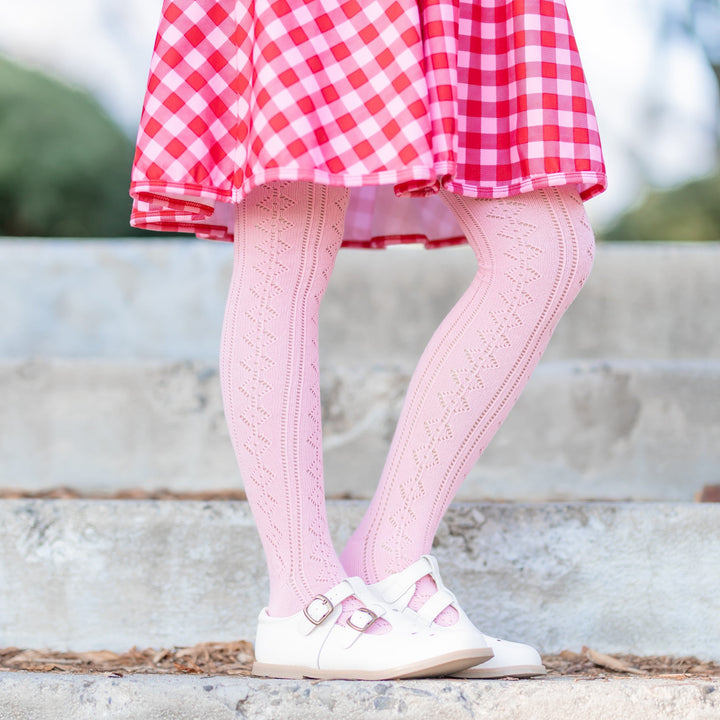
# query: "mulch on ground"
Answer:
x=235 y=658
x=67 y=493
x=593 y=664
x=209 y=658
x=710 y=493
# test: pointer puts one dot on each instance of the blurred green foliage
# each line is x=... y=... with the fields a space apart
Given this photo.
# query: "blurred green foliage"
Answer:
x=64 y=164
x=65 y=171
x=689 y=213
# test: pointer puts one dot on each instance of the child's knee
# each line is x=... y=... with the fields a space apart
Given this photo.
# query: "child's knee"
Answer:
x=582 y=233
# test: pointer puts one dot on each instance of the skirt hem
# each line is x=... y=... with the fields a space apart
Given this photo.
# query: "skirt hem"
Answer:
x=179 y=207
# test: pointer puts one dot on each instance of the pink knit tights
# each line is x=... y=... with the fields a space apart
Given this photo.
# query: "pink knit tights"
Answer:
x=534 y=252
x=287 y=235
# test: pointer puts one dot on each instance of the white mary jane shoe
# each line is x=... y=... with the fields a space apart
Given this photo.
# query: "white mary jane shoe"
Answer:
x=510 y=659
x=312 y=644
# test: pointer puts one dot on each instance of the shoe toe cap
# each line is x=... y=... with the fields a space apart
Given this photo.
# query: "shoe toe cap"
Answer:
x=508 y=653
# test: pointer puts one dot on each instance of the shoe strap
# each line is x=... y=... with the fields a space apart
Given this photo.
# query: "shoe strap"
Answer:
x=403 y=583
x=327 y=605
x=435 y=605
x=362 y=619
x=395 y=586
x=323 y=605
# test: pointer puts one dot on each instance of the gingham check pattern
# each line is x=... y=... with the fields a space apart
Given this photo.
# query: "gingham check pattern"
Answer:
x=487 y=97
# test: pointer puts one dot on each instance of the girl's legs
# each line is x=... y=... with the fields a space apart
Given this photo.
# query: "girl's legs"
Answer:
x=534 y=252
x=287 y=235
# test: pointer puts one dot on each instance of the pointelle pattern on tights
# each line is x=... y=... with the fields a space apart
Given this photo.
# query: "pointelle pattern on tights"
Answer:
x=286 y=246
x=324 y=258
x=577 y=215
x=321 y=242
x=305 y=487
x=566 y=283
x=468 y=377
x=257 y=365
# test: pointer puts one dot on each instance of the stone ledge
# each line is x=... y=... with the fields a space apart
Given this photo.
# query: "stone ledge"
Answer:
x=165 y=298
x=623 y=430
x=637 y=578
x=137 y=697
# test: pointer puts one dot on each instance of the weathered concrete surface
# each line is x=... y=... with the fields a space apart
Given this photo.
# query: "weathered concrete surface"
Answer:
x=165 y=299
x=111 y=425
x=138 y=697
x=622 y=430
x=640 y=578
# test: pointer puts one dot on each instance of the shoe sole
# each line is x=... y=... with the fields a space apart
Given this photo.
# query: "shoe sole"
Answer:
x=515 y=671
x=441 y=665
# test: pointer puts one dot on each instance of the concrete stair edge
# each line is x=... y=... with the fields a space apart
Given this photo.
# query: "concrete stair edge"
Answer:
x=644 y=430
x=135 y=697
x=166 y=298
x=87 y=575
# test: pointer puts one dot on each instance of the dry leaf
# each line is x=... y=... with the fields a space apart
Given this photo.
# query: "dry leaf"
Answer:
x=611 y=663
x=192 y=668
x=99 y=656
x=23 y=657
x=160 y=655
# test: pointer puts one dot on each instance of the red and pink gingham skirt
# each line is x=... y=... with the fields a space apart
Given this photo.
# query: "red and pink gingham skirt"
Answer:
x=392 y=98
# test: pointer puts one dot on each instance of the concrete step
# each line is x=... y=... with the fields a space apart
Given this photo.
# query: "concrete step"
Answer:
x=638 y=578
x=582 y=430
x=164 y=299
x=138 y=697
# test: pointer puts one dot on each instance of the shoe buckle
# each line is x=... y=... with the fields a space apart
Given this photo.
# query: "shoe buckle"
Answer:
x=327 y=606
x=371 y=618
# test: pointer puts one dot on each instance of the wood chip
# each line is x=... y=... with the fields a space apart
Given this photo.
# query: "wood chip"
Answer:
x=99 y=656
x=26 y=656
x=610 y=662
x=160 y=655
